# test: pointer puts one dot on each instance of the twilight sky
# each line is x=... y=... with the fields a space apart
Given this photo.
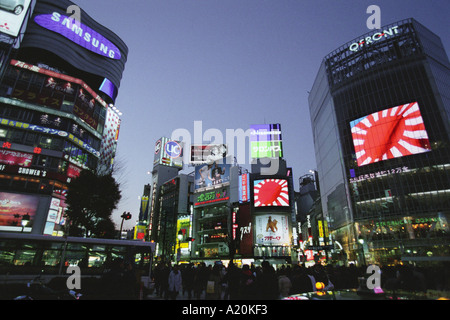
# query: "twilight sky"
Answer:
x=230 y=64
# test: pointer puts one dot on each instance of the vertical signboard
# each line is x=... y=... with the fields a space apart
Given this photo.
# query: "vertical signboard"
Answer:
x=245 y=230
x=244 y=188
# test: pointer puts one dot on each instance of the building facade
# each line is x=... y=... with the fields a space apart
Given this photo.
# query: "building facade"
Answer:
x=380 y=109
x=57 y=113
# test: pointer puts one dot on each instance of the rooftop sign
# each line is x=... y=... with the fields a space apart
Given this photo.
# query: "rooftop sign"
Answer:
x=356 y=46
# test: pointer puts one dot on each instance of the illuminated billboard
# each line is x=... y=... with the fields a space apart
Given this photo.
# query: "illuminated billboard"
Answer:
x=13 y=207
x=211 y=175
x=12 y=15
x=18 y=158
x=265 y=141
x=169 y=153
x=272 y=229
x=271 y=193
x=78 y=33
x=207 y=153
x=390 y=133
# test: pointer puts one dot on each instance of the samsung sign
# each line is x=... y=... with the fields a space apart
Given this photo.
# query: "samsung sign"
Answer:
x=78 y=33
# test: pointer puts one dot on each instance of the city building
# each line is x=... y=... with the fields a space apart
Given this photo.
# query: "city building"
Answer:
x=175 y=219
x=273 y=212
x=380 y=117
x=219 y=211
x=167 y=162
x=59 y=79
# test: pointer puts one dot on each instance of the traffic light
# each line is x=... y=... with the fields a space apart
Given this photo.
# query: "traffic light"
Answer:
x=190 y=239
x=126 y=216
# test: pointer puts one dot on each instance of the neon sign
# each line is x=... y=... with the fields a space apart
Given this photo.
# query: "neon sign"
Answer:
x=211 y=197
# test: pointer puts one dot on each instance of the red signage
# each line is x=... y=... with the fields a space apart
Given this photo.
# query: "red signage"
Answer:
x=15 y=158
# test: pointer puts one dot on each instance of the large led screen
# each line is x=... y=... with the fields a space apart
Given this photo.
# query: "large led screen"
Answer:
x=13 y=207
x=390 y=133
x=271 y=193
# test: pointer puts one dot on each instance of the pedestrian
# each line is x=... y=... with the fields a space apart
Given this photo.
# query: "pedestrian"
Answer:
x=175 y=282
x=248 y=283
x=214 y=284
x=165 y=271
x=113 y=279
x=201 y=276
x=267 y=282
x=130 y=281
x=188 y=275
x=233 y=280
x=301 y=283
x=284 y=284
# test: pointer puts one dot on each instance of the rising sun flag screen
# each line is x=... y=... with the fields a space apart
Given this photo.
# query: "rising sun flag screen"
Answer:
x=271 y=192
x=390 y=133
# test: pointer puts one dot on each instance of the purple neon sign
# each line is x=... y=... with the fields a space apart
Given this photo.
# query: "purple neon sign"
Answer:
x=78 y=33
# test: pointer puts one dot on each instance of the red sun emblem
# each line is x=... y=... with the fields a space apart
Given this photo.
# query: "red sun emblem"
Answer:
x=390 y=133
x=271 y=192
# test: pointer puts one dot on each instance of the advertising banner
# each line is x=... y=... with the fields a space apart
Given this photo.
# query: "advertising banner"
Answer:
x=13 y=207
x=12 y=157
x=266 y=141
x=390 y=133
x=272 y=229
x=12 y=16
x=209 y=175
x=208 y=153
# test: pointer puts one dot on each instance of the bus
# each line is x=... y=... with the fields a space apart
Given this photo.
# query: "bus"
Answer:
x=23 y=255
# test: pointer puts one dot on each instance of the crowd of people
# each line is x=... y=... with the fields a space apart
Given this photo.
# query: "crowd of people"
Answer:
x=264 y=282
x=247 y=282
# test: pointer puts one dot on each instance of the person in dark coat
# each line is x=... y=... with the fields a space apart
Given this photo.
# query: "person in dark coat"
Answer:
x=248 y=284
x=267 y=283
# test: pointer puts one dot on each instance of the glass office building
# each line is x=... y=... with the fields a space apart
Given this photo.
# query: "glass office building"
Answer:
x=380 y=109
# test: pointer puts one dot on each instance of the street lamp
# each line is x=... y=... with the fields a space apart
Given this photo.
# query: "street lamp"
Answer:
x=180 y=237
x=25 y=220
x=361 y=241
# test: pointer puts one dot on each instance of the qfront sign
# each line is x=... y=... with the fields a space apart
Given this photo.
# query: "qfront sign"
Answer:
x=78 y=33
x=367 y=41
